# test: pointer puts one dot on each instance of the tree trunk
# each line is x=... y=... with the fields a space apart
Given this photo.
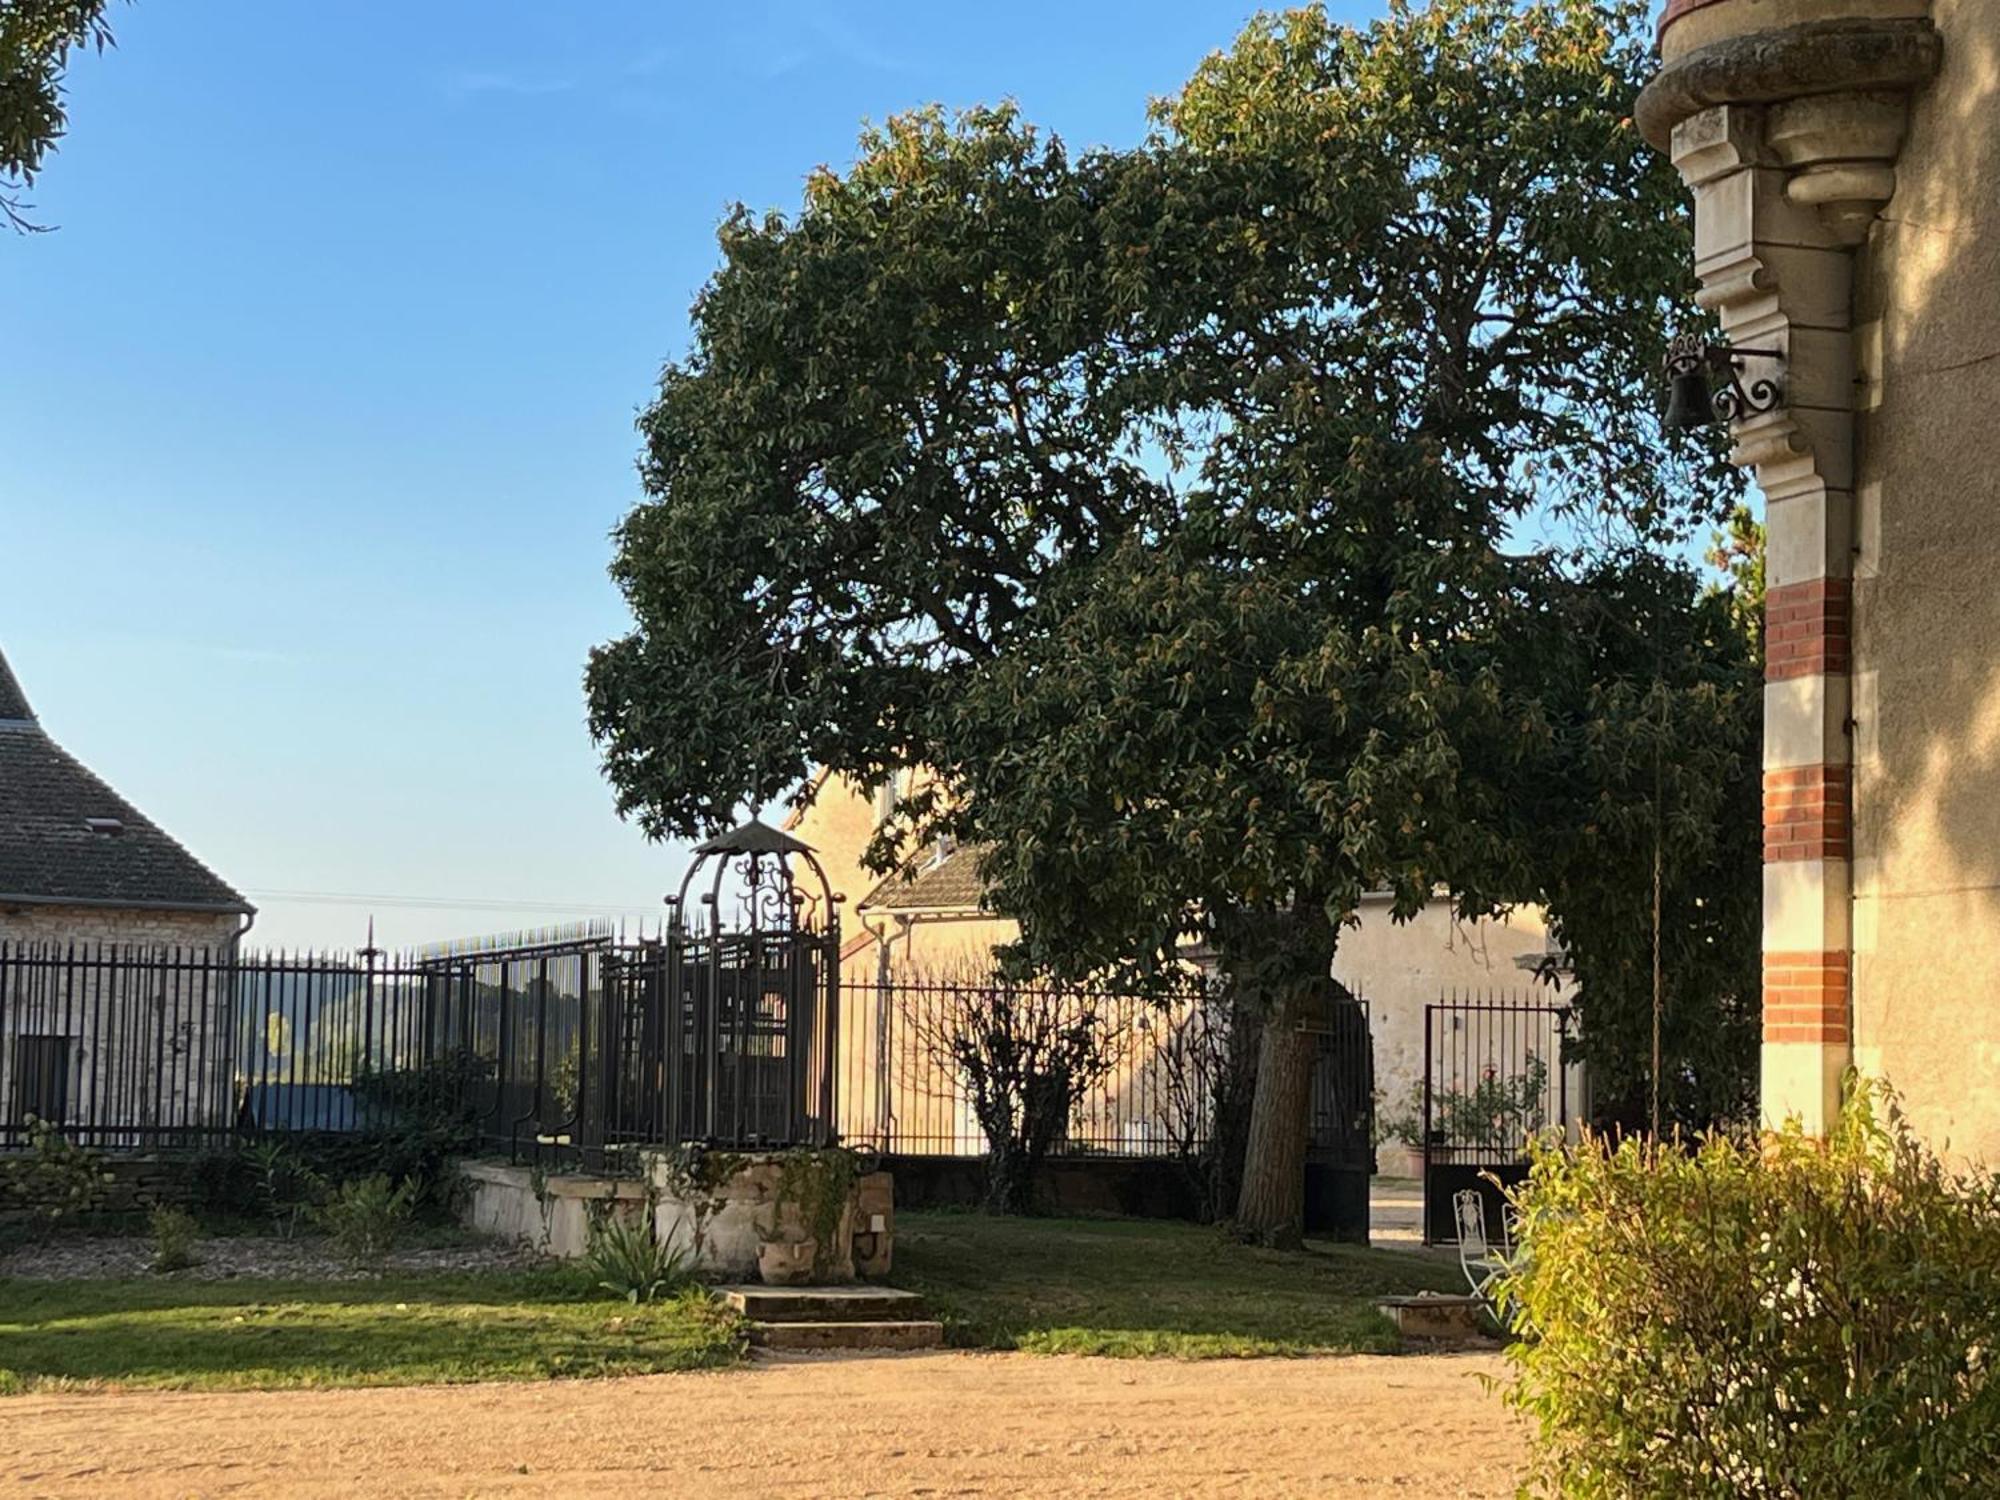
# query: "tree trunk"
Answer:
x=1272 y=1207
x=1281 y=963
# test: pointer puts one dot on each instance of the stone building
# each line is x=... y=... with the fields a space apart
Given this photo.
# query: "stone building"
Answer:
x=1844 y=161
x=105 y=1050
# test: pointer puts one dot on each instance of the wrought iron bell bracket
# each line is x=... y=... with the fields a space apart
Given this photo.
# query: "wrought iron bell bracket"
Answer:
x=1692 y=363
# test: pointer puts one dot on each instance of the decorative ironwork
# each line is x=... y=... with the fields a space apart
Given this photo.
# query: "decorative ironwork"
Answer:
x=1692 y=362
x=1495 y=1076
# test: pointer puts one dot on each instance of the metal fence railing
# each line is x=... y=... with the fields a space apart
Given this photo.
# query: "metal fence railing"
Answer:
x=1496 y=1076
x=120 y=1047
x=908 y=1087
x=554 y=1048
x=559 y=1046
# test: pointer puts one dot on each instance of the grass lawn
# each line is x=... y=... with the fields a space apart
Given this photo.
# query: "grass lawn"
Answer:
x=401 y=1330
x=1139 y=1287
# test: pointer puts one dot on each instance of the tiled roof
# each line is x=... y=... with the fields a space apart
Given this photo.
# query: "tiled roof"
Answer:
x=67 y=837
x=13 y=702
x=952 y=884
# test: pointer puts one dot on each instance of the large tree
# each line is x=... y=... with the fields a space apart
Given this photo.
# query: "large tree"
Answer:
x=36 y=39
x=1647 y=837
x=1160 y=498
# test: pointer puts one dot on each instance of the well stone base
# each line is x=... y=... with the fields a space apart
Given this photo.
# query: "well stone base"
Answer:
x=729 y=1208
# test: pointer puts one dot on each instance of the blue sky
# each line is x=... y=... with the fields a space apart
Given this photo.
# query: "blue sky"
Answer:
x=317 y=407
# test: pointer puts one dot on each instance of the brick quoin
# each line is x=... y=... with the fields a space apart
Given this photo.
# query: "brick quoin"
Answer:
x=1805 y=997
x=1806 y=629
x=1806 y=814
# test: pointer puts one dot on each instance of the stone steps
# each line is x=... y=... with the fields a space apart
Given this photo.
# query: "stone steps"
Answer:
x=833 y=1317
x=920 y=1334
x=821 y=1304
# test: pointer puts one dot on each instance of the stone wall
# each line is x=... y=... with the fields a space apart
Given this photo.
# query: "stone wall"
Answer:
x=1399 y=968
x=137 y=1183
x=139 y=1049
x=90 y=925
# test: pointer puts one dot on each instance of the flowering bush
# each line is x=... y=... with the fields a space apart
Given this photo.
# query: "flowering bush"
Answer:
x=1762 y=1316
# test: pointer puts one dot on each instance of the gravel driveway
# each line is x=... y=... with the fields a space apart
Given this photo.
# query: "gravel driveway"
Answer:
x=957 y=1424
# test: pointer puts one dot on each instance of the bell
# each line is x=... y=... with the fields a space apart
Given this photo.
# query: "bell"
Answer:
x=1688 y=403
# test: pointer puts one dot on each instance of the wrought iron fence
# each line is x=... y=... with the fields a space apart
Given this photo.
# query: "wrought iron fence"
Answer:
x=120 y=1047
x=903 y=1090
x=553 y=1048
x=559 y=1045
x=1495 y=1076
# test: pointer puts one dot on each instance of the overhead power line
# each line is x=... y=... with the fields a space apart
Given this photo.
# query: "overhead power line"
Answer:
x=440 y=903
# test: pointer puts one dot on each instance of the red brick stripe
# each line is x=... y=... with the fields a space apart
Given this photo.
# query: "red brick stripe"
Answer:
x=1805 y=814
x=1806 y=629
x=1805 y=997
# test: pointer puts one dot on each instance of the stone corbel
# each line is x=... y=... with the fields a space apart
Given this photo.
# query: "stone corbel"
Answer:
x=1788 y=139
x=1837 y=96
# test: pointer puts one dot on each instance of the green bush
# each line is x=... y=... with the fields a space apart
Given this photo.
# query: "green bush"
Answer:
x=57 y=1181
x=1496 y=1112
x=362 y=1217
x=285 y=1188
x=627 y=1259
x=174 y=1234
x=1774 y=1316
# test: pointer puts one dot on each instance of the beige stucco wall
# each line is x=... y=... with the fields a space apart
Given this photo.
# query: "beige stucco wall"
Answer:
x=1399 y=968
x=1927 y=606
x=144 y=1050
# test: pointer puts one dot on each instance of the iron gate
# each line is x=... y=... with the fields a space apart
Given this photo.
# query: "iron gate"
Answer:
x=1494 y=1078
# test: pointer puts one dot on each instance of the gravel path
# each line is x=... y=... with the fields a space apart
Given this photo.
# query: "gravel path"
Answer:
x=957 y=1424
x=308 y=1258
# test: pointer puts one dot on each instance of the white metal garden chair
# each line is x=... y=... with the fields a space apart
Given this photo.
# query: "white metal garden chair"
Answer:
x=1477 y=1257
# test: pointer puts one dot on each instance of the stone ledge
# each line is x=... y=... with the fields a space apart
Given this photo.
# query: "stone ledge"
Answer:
x=561 y=1185
x=1794 y=62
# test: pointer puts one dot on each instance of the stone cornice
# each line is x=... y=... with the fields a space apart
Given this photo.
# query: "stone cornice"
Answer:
x=1793 y=62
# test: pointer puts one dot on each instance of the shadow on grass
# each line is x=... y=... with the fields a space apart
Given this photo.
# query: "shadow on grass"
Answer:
x=399 y=1330
x=1149 y=1288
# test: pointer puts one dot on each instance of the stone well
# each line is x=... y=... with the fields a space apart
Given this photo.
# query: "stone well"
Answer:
x=746 y=1215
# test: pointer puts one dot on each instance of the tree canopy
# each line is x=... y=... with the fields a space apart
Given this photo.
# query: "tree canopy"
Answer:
x=1178 y=504
x=36 y=39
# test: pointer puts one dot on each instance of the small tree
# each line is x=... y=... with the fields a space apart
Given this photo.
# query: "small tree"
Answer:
x=1656 y=759
x=1209 y=1071
x=1027 y=1055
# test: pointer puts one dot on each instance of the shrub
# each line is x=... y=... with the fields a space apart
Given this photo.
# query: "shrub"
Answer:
x=627 y=1259
x=1775 y=1316
x=174 y=1232
x=363 y=1217
x=57 y=1181
x=287 y=1189
x=1496 y=1112
x=221 y=1183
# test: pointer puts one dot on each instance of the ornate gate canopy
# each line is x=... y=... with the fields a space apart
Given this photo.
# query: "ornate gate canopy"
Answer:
x=731 y=1020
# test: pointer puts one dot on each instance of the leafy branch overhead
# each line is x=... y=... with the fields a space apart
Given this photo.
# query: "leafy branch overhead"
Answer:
x=976 y=364
x=36 y=40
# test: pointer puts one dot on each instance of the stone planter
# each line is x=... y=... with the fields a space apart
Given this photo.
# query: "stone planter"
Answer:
x=1395 y=1159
